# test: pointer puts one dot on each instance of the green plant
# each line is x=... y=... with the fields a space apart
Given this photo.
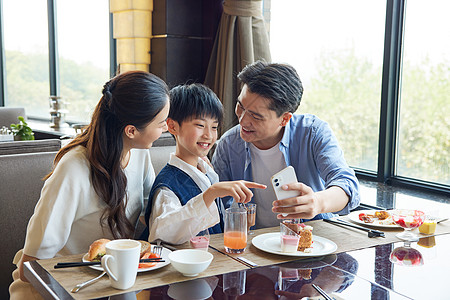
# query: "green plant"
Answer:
x=21 y=130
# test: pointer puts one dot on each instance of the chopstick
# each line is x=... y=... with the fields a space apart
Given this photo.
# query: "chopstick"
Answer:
x=371 y=232
x=242 y=260
x=76 y=264
x=93 y=263
x=322 y=292
x=171 y=248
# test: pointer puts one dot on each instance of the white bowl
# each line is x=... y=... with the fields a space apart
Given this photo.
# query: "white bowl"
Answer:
x=190 y=262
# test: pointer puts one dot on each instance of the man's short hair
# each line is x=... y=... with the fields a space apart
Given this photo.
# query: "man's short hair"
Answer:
x=279 y=83
x=192 y=101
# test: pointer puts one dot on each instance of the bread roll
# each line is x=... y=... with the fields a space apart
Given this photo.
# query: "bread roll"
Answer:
x=97 y=249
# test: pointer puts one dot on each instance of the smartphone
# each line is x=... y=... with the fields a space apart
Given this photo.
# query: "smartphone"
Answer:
x=285 y=176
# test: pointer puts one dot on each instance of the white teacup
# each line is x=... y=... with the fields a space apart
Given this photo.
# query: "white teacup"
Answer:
x=121 y=262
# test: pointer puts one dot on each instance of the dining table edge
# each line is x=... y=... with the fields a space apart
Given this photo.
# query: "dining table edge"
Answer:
x=44 y=282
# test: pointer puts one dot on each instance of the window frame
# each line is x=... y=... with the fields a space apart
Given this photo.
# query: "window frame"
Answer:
x=390 y=102
x=52 y=53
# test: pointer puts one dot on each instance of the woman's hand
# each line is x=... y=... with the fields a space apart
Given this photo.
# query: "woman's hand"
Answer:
x=22 y=260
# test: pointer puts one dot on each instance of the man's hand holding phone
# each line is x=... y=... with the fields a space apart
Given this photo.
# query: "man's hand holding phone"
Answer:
x=280 y=179
x=295 y=200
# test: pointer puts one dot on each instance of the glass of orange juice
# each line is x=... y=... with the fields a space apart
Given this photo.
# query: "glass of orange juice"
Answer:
x=235 y=230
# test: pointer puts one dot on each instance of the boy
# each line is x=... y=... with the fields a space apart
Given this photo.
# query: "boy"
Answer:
x=183 y=200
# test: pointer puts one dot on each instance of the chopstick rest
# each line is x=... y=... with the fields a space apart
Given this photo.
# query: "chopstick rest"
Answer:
x=247 y=261
x=370 y=232
x=93 y=263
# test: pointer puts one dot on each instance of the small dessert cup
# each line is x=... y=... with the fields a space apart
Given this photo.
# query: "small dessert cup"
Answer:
x=429 y=225
x=201 y=240
x=408 y=219
x=289 y=239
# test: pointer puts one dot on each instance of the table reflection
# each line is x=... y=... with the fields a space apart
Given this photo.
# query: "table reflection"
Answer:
x=196 y=289
x=375 y=266
x=293 y=280
x=406 y=256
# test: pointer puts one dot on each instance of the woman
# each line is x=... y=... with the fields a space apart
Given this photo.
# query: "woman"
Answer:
x=100 y=181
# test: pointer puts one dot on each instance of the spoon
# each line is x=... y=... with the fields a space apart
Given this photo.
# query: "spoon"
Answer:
x=441 y=220
x=82 y=285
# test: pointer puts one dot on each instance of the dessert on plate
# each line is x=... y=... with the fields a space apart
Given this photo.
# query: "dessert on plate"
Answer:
x=304 y=233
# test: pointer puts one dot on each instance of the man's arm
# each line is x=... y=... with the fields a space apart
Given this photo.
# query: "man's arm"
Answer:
x=341 y=191
x=222 y=167
x=334 y=171
x=220 y=162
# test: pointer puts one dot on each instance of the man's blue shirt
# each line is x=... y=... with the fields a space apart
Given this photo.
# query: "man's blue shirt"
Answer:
x=308 y=144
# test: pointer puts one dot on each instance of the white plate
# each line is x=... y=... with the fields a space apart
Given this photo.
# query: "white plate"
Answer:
x=164 y=255
x=270 y=242
x=354 y=217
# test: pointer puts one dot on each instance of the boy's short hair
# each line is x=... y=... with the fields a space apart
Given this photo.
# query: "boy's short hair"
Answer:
x=192 y=101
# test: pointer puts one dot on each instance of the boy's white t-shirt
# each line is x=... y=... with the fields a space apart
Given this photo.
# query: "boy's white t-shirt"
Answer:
x=265 y=163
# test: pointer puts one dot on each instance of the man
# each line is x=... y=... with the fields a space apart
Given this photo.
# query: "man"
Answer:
x=270 y=137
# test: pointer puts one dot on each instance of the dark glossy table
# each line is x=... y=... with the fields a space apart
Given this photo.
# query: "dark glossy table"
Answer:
x=361 y=268
x=359 y=274
x=373 y=276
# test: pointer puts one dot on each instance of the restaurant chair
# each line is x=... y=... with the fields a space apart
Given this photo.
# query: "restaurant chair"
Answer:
x=160 y=156
x=8 y=115
x=16 y=147
x=20 y=187
x=166 y=139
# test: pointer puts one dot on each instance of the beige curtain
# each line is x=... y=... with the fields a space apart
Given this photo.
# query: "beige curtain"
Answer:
x=241 y=39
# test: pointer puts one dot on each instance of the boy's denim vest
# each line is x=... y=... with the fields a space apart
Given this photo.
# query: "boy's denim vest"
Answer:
x=184 y=188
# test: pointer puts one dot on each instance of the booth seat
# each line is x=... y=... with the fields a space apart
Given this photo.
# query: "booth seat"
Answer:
x=16 y=147
x=20 y=186
x=160 y=156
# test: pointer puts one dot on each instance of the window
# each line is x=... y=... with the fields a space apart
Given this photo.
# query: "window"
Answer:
x=378 y=73
x=26 y=55
x=83 y=54
x=337 y=49
x=424 y=127
x=82 y=43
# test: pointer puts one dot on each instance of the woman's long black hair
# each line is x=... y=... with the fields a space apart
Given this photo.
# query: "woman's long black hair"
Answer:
x=132 y=98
